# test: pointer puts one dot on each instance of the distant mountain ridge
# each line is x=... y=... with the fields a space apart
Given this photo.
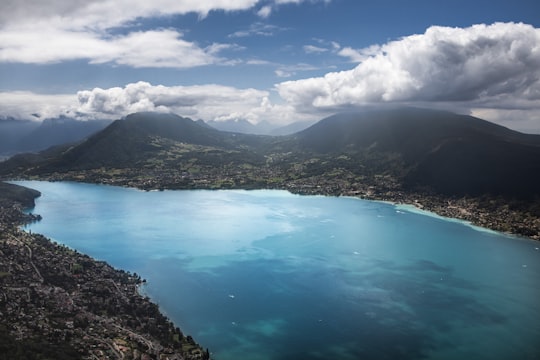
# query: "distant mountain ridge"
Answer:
x=18 y=136
x=417 y=148
x=409 y=131
x=450 y=153
x=263 y=128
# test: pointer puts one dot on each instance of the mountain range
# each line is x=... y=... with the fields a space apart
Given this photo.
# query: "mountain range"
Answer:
x=18 y=136
x=405 y=148
x=449 y=153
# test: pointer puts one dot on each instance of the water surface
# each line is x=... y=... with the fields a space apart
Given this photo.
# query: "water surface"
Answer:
x=271 y=275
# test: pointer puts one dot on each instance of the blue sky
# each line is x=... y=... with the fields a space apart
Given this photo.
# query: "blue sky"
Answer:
x=274 y=60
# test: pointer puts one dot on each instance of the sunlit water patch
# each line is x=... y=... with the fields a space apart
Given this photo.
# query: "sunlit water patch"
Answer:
x=271 y=275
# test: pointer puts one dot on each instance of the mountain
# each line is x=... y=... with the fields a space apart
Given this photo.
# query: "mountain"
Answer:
x=140 y=140
x=17 y=136
x=261 y=128
x=12 y=131
x=409 y=131
x=291 y=128
x=58 y=131
x=10 y=193
x=406 y=148
x=449 y=153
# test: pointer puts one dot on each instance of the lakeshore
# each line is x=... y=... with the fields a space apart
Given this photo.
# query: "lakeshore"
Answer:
x=289 y=261
x=57 y=303
x=490 y=213
x=497 y=213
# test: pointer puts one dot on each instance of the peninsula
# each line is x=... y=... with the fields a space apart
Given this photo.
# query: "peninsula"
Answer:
x=56 y=303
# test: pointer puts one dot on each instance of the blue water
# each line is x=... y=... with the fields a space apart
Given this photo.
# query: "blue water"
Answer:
x=271 y=275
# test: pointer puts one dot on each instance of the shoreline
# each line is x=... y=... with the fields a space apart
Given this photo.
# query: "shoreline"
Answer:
x=74 y=306
x=473 y=215
x=130 y=340
x=468 y=210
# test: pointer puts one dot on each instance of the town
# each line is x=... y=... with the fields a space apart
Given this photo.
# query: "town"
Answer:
x=57 y=303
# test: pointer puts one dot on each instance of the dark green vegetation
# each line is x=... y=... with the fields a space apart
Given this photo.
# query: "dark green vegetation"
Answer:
x=56 y=303
x=11 y=194
x=455 y=165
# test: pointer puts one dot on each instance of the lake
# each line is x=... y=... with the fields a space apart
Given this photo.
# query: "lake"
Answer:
x=270 y=275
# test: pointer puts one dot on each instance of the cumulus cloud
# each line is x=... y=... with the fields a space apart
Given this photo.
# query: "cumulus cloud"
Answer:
x=40 y=32
x=31 y=32
x=265 y=11
x=105 y=14
x=207 y=102
x=357 y=56
x=482 y=66
x=491 y=71
x=29 y=105
x=162 y=48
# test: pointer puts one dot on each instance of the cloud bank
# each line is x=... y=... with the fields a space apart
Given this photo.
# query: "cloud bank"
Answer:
x=31 y=106
x=492 y=71
x=485 y=66
x=208 y=102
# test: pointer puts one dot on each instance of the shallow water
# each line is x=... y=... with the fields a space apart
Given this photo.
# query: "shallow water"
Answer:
x=271 y=275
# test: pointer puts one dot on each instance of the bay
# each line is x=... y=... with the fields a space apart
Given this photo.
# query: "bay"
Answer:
x=270 y=275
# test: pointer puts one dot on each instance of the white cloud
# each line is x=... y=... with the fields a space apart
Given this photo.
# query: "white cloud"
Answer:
x=311 y=49
x=26 y=105
x=524 y=120
x=491 y=71
x=483 y=66
x=357 y=56
x=283 y=73
x=32 y=32
x=265 y=11
x=163 y=48
x=258 y=29
x=52 y=31
x=105 y=14
x=207 y=102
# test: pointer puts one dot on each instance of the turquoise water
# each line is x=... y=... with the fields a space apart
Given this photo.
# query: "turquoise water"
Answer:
x=271 y=275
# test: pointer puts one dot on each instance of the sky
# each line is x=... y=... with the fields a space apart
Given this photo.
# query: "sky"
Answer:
x=278 y=61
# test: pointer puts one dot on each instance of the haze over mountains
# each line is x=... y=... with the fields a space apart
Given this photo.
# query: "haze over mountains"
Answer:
x=19 y=136
x=29 y=136
x=262 y=128
x=415 y=148
x=449 y=153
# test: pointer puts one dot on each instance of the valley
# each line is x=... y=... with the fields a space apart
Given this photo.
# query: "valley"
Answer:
x=454 y=165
